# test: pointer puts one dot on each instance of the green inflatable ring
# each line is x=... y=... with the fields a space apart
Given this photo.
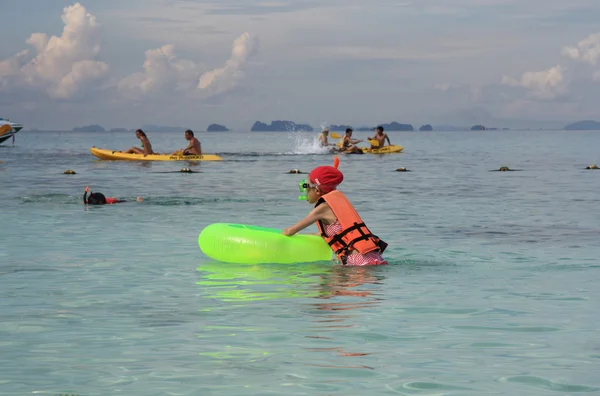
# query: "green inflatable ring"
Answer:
x=246 y=244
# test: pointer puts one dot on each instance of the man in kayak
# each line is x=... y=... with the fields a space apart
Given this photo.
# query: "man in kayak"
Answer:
x=193 y=148
x=348 y=145
x=323 y=142
x=146 y=146
x=379 y=139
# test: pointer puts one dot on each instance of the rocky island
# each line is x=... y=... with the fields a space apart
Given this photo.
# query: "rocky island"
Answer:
x=281 y=126
x=396 y=126
x=89 y=128
x=585 y=125
x=217 y=128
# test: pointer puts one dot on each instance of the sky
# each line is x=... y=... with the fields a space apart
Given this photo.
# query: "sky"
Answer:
x=189 y=63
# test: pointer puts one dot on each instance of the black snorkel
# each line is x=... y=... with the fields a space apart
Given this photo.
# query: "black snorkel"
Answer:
x=93 y=198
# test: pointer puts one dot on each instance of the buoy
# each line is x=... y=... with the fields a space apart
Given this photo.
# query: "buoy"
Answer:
x=593 y=166
x=402 y=169
x=70 y=172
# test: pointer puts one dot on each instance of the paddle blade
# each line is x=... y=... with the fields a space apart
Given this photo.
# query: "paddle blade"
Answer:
x=334 y=135
x=374 y=143
x=4 y=129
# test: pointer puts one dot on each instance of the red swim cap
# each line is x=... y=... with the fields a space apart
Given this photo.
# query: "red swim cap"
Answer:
x=327 y=178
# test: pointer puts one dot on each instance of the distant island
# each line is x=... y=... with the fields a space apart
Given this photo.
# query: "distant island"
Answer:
x=339 y=128
x=145 y=128
x=478 y=128
x=217 y=128
x=395 y=126
x=281 y=126
x=162 y=128
x=426 y=127
x=89 y=128
x=450 y=128
x=585 y=125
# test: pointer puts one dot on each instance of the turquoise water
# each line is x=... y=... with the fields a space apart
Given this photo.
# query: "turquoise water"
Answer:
x=492 y=286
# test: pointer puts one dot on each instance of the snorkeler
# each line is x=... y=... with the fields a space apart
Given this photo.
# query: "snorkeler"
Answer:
x=338 y=222
x=96 y=198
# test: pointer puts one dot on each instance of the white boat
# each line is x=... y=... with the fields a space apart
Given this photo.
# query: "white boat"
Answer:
x=14 y=128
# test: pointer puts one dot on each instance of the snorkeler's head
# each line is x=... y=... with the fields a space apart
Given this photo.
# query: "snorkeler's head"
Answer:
x=93 y=198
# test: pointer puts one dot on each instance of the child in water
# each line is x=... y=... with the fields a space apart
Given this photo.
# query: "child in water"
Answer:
x=99 y=199
x=338 y=222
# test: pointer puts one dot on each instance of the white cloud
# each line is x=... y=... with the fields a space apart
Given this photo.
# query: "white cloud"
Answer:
x=587 y=50
x=226 y=77
x=165 y=72
x=546 y=84
x=64 y=65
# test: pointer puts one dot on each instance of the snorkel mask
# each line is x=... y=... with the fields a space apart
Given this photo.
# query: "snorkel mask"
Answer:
x=303 y=187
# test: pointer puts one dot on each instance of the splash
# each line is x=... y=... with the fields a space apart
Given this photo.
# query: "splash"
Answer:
x=303 y=143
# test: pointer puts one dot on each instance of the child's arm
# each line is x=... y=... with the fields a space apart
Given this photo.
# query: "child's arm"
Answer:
x=312 y=217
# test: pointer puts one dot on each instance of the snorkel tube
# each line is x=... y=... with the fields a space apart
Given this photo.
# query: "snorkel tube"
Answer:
x=85 y=195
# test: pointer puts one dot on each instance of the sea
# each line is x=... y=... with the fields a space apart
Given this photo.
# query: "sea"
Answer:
x=492 y=287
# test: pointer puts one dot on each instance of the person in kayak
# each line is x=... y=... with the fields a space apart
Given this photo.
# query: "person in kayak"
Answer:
x=348 y=145
x=194 y=148
x=379 y=139
x=146 y=146
x=338 y=222
x=96 y=198
x=323 y=142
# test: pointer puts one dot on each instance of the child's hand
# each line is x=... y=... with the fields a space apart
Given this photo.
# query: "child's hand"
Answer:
x=286 y=232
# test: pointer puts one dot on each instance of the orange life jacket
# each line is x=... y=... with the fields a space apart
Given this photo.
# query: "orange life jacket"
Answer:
x=354 y=235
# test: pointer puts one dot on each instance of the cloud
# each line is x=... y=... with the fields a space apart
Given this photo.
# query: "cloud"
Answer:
x=546 y=84
x=587 y=50
x=63 y=66
x=165 y=72
x=226 y=77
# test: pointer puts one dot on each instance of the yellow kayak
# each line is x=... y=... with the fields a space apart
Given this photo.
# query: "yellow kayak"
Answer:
x=114 y=155
x=384 y=150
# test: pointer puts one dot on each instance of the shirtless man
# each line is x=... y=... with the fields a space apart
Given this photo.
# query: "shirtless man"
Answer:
x=348 y=145
x=193 y=148
x=147 y=147
x=323 y=142
x=380 y=137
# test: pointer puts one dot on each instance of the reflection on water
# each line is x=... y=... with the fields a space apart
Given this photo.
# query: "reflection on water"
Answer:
x=243 y=282
x=345 y=294
x=335 y=296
